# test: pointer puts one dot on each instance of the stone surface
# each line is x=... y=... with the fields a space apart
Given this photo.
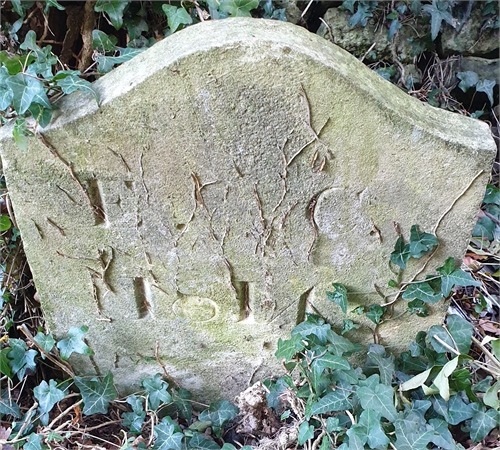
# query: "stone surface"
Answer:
x=486 y=69
x=232 y=173
x=473 y=38
x=358 y=40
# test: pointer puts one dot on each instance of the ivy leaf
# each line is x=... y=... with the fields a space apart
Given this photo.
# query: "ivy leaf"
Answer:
x=4 y=362
x=410 y=436
x=451 y=277
x=442 y=436
x=274 y=390
x=421 y=291
x=238 y=8
x=114 y=10
x=21 y=358
x=461 y=332
x=182 y=401
x=46 y=341
x=441 y=381
x=437 y=335
x=362 y=14
x=438 y=12
x=492 y=195
x=29 y=41
x=333 y=425
x=17 y=7
x=348 y=325
x=394 y=27
x=401 y=253
x=20 y=133
x=380 y=399
x=199 y=442
x=329 y=361
x=418 y=307
x=176 y=17
x=102 y=42
x=134 y=420
x=421 y=243
x=168 y=436
x=375 y=313
x=486 y=86
x=458 y=411
x=357 y=438
x=53 y=3
x=468 y=79
x=47 y=394
x=337 y=400
x=157 y=392
x=106 y=63
x=341 y=346
x=5 y=223
x=339 y=296
x=289 y=348
x=74 y=343
x=8 y=406
x=6 y=94
x=40 y=114
x=490 y=397
x=483 y=421
x=72 y=83
x=385 y=365
x=495 y=347
x=315 y=326
x=34 y=442
x=135 y=27
x=368 y=429
x=219 y=413
x=306 y=432
x=96 y=394
x=25 y=90
x=484 y=227
x=416 y=382
x=410 y=365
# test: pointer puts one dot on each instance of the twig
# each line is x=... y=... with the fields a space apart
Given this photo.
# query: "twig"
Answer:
x=490 y=355
x=444 y=344
x=368 y=51
x=306 y=9
x=332 y=39
x=456 y=200
x=167 y=376
x=65 y=412
x=24 y=329
x=25 y=424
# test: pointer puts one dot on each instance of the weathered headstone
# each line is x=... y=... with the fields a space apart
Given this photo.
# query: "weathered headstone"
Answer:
x=232 y=173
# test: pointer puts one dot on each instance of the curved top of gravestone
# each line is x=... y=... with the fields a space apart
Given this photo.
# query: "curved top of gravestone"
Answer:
x=258 y=37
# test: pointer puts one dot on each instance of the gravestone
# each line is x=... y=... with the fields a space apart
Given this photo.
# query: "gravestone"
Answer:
x=231 y=173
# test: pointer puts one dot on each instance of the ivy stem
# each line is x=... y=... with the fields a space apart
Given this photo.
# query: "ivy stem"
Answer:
x=434 y=231
x=63 y=366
